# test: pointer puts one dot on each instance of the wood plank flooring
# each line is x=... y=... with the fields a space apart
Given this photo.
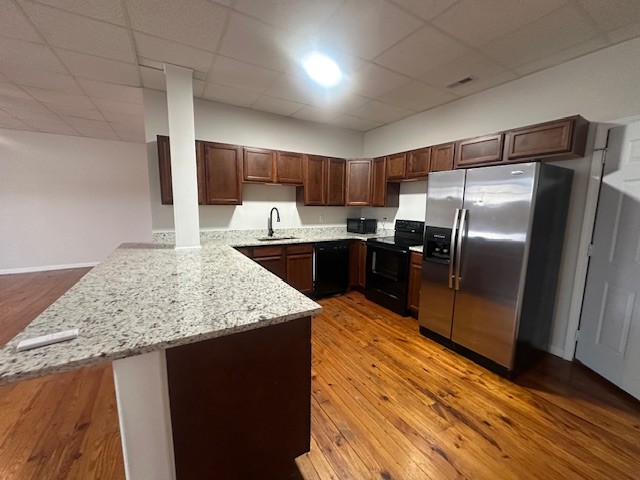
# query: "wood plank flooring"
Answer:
x=386 y=404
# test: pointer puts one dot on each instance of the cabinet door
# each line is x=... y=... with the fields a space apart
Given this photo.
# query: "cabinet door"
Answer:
x=273 y=259
x=335 y=181
x=258 y=165
x=479 y=151
x=418 y=162
x=565 y=138
x=201 y=172
x=379 y=183
x=164 y=165
x=358 y=182
x=314 y=176
x=362 y=264
x=223 y=167
x=415 y=280
x=289 y=168
x=442 y=157
x=300 y=271
x=396 y=166
x=354 y=263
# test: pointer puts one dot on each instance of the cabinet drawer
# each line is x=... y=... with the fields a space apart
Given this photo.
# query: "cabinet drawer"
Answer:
x=271 y=251
x=299 y=249
x=479 y=151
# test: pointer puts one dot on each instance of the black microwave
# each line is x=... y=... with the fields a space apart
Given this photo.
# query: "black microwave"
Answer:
x=362 y=225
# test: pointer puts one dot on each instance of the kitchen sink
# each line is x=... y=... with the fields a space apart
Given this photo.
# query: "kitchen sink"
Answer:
x=275 y=239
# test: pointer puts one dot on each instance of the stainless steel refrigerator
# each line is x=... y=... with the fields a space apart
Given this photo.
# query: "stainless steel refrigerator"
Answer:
x=492 y=251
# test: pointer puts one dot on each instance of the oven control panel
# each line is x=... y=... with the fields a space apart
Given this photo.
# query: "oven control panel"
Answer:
x=437 y=244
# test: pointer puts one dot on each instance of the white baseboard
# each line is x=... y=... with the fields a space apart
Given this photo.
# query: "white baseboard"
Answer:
x=557 y=351
x=46 y=268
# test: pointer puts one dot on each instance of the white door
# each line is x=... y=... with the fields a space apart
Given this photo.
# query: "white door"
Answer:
x=609 y=340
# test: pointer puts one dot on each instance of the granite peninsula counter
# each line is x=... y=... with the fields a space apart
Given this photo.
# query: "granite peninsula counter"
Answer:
x=206 y=345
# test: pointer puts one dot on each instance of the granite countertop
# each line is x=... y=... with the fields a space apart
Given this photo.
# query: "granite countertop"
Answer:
x=146 y=297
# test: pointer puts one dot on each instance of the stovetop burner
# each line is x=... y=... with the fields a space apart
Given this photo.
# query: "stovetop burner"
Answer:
x=408 y=233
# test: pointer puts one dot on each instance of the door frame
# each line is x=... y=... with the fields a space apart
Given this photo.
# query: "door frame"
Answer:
x=588 y=225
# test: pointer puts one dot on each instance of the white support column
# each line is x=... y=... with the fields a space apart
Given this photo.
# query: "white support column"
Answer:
x=145 y=419
x=183 y=155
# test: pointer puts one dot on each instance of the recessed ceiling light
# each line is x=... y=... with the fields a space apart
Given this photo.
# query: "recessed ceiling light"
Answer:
x=322 y=70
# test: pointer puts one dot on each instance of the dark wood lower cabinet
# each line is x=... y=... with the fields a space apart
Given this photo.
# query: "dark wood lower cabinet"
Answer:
x=415 y=280
x=273 y=259
x=362 y=264
x=300 y=267
x=241 y=404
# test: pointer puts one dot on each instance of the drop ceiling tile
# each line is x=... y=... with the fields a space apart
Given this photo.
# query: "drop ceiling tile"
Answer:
x=426 y=9
x=484 y=84
x=58 y=98
x=546 y=36
x=32 y=77
x=315 y=114
x=81 y=34
x=381 y=112
x=97 y=89
x=337 y=100
x=478 y=22
x=51 y=124
x=289 y=87
x=152 y=78
x=25 y=54
x=107 y=105
x=277 y=106
x=348 y=63
x=297 y=16
x=14 y=24
x=122 y=128
x=134 y=137
x=423 y=51
x=373 y=80
x=8 y=121
x=107 y=10
x=354 y=123
x=10 y=91
x=165 y=51
x=612 y=14
x=96 y=68
x=229 y=95
x=91 y=127
x=563 y=56
x=470 y=64
x=233 y=73
x=23 y=108
x=79 y=112
x=198 y=23
x=417 y=96
x=254 y=42
x=366 y=28
x=624 y=33
x=124 y=118
x=198 y=87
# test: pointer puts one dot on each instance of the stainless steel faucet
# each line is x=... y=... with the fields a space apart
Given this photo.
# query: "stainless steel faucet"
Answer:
x=270 y=221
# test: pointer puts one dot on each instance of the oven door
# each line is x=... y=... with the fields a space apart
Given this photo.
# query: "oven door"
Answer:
x=387 y=269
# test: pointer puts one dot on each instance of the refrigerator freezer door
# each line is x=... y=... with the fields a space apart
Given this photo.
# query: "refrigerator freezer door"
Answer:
x=444 y=200
x=444 y=194
x=499 y=206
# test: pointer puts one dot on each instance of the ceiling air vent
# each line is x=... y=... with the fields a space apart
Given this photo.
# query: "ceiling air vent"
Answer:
x=461 y=82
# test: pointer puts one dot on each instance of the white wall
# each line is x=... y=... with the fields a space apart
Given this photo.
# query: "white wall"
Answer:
x=601 y=86
x=67 y=201
x=226 y=124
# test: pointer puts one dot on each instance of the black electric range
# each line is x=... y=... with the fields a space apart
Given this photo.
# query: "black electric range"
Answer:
x=388 y=265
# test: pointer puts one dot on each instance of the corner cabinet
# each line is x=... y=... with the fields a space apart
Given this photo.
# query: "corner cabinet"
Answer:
x=358 y=191
x=218 y=170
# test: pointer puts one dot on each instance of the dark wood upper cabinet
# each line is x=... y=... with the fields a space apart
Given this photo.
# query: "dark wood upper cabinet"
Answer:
x=223 y=172
x=561 y=139
x=479 y=151
x=164 y=165
x=259 y=165
x=335 y=181
x=396 y=167
x=289 y=168
x=201 y=173
x=383 y=194
x=313 y=192
x=418 y=162
x=442 y=157
x=358 y=191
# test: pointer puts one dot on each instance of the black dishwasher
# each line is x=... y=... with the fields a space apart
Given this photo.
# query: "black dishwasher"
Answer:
x=330 y=268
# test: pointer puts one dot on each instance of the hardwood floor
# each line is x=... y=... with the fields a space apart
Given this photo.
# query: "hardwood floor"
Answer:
x=386 y=404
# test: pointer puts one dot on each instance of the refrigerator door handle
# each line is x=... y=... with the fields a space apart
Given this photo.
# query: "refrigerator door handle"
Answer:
x=463 y=218
x=452 y=246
